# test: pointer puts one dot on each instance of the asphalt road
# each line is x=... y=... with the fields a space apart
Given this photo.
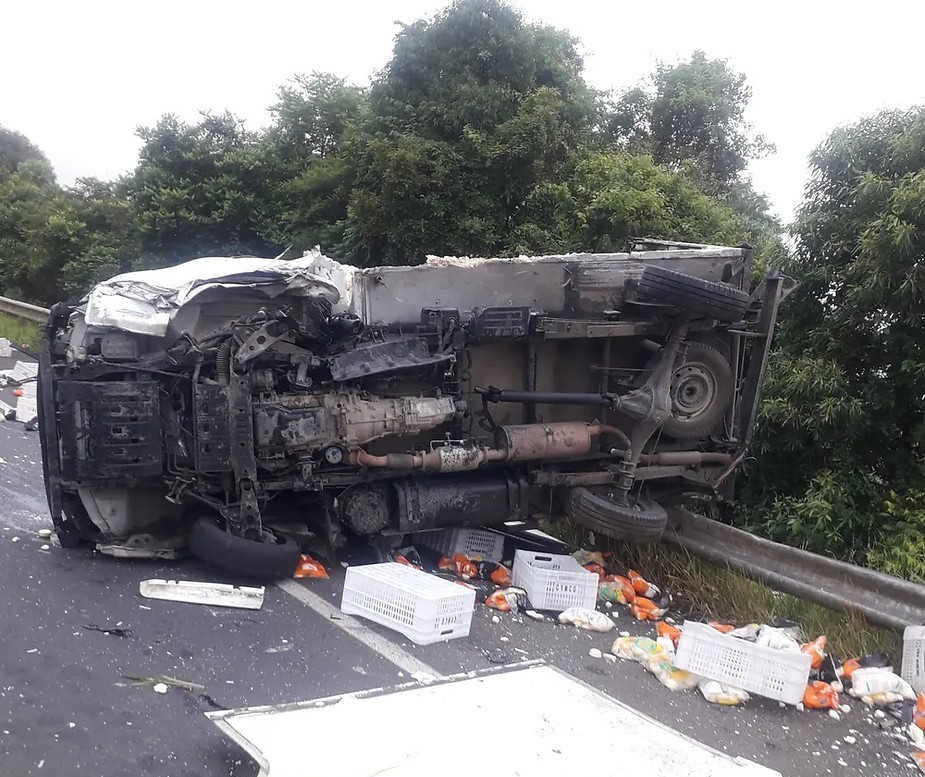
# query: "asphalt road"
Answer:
x=67 y=708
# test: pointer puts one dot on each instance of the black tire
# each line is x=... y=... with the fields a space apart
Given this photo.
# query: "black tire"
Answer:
x=709 y=299
x=639 y=520
x=702 y=386
x=209 y=542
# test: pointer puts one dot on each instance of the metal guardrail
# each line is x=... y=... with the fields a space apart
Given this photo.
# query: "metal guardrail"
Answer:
x=882 y=599
x=23 y=310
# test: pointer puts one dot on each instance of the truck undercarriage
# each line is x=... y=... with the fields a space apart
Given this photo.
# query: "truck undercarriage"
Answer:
x=229 y=404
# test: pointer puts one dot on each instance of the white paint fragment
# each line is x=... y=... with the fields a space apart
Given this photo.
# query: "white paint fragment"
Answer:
x=160 y=688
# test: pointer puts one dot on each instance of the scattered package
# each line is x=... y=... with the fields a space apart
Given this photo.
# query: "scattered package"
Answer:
x=474 y=569
x=777 y=639
x=308 y=567
x=719 y=693
x=508 y=600
x=877 y=686
x=641 y=586
x=816 y=650
x=820 y=696
x=646 y=610
x=592 y=620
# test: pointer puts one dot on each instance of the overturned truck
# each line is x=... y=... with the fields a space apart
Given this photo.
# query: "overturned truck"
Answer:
x=233 y=405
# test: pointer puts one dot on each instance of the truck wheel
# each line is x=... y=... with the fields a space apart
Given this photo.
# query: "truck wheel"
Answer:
x=272 y=559
x=639 y=520
x=709 y=299
x=701 y=390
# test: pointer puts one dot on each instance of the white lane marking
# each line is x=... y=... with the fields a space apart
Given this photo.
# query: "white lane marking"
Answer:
x=357 y=629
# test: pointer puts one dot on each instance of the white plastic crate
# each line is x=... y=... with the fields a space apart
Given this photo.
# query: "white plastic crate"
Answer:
x=554 y=582
x=422 y=607
x=478 y=543
x=913 y=671
x=775 y=674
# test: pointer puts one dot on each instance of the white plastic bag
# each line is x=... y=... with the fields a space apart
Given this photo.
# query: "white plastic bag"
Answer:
x=777 y=639
x=877 y=684
x=592 y=620
x=719 y=693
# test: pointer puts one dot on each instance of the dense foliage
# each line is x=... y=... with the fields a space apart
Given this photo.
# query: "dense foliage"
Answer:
x=842 y=465
x=481 y=137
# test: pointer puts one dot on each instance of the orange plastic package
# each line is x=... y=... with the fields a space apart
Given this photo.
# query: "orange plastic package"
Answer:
x=919 y=759
x=815 y=649
x=850 y=667
x=667 y=630
x=819 y=696
x=918 y=714
x=646 y=610
x=498 y=601
x=629 y=593
x=642 y=586
x=308 y=567
x=597 y=569
x=725 y=628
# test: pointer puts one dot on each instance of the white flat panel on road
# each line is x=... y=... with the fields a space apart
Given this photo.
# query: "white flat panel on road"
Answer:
x=535 y=721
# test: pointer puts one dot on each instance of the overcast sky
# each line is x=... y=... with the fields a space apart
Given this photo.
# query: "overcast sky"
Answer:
x=78 y=77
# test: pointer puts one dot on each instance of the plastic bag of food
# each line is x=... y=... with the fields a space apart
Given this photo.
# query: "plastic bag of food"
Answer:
x=816 y=651
x=589 y=557
x=671 y=677
x=819 y=696
x=461 y=565
x=612 y=591
x=592 y=620
x=749 y=632
x=493 y=572
x=639 y=649
x=878 y=684
x=626 y=587
x=725 y=628
x=719 y=693
x=641 y=586
x=308 y=567
x=869 y=661
x=918 y=714
x=668 y=631
x=597 y=569
x=508 y=599
x=777 y=639
x=919 y=760
x=646 y=610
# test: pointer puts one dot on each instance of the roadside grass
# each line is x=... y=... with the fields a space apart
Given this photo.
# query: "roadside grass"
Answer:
x=709 y=592
x=19 y=332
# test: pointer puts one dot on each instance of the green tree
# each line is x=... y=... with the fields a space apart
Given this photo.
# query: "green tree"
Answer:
x=200 y=189
x=843 y=424
x=476 y=113
x=692 y=117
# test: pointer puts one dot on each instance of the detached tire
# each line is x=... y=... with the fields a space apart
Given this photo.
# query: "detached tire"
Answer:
x=639 y=520
x=209 y=542
x=709 y=299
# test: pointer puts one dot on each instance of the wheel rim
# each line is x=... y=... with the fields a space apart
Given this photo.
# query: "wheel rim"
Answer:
x=693 y=391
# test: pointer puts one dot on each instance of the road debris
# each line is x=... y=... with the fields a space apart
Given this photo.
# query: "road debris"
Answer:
x=596 y=653
x=115 y=631
x=718 y=693
x=212 y=594
x=160 y=687
x=308 y=567
x=166 y=681
x=45 y=533
x=820 y=696
x=591 y=620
